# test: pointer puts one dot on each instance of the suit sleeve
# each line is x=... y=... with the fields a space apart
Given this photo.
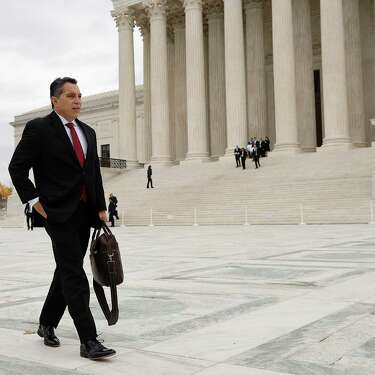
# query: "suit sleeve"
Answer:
x=24 y=158
x=100 y=199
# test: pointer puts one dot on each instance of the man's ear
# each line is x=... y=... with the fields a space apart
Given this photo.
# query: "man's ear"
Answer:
x=53 y=100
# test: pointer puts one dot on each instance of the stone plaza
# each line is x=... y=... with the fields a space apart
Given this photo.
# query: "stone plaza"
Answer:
x=246 y=298
x=207 y=300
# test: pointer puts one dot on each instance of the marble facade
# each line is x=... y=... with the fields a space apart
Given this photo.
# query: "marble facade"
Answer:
x=301 y=72
x=218 y=72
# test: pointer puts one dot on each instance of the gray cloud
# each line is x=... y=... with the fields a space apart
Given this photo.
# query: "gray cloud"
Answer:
x=43 y=39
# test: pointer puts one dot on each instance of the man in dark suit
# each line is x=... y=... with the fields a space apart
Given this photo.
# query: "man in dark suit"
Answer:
x=256 y=155
x=149 y=177
x=68 y=198
x=29 y=217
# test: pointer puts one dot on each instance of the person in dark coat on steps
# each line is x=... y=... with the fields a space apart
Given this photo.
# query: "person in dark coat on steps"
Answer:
x=149 y=177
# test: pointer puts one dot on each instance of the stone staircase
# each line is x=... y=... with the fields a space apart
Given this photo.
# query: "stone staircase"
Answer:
x=314 y=188
x=322 y=187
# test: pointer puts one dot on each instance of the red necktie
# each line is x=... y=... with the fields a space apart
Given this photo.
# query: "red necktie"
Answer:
x=76 y=144
x=78 y=150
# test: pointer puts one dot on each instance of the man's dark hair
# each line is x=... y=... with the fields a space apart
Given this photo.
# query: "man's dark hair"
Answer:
x=56 y=87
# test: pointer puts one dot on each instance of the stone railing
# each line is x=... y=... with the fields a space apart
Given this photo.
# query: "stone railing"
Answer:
x=112 y=163
x=340 y=211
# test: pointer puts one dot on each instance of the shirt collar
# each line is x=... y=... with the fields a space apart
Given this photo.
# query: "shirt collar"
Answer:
x=65 y=121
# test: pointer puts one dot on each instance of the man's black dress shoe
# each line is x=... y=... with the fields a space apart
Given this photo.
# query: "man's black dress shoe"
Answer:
x=48 y=333
x=93 y=349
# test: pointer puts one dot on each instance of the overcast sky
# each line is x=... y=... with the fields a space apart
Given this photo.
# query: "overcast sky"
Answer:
x=41 y=40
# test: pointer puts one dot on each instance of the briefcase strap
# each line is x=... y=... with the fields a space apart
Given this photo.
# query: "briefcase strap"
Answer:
x=110 y=315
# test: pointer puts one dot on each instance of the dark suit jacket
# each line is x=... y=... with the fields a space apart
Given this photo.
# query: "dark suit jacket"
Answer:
x=46 y=148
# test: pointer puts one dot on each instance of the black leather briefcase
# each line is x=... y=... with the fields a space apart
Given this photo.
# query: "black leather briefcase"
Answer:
x=106 y=265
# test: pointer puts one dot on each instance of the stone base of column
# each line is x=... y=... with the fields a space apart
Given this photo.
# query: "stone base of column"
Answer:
x=203 y=156
x=162 y=160
x=196 y=160
x=226 y=157
x=132 y=164
x=360 y=144
x=339 y=144
x=229 y=152
x=215 y=158
x=308 y=149
x=287 y=148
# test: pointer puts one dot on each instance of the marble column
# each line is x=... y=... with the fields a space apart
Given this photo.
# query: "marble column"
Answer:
x=216 y=58
x=336 y=119
x=235 y=75
x=145 y=32
x=161 y=153
x=180 y=88
x=206 y=77
x=141 y=137
x=284 y=76
x=367 y=18
x=127 y=108
x=195 y=82
x=171 y=78
x=256 y=75
x=354 y=74
x=304 y=75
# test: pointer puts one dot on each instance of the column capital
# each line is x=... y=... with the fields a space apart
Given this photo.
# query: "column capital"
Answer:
x=143 y=22
x=156 y=9
x=170 y=29
x=178 y=20
x=254 y=4
x=215 y=9
x=193 y=4
x=124 y=18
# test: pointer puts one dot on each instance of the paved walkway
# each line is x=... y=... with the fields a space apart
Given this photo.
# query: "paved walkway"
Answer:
x=221 y=300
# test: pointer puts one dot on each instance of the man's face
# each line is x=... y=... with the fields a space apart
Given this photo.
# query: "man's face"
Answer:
x=68 y=104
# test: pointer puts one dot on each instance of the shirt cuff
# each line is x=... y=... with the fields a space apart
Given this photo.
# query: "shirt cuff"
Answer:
x=33 y=201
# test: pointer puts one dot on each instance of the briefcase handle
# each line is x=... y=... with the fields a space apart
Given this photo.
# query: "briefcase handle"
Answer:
x=96 y=233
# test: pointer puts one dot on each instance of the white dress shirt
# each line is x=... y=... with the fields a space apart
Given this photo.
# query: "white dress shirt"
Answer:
x=81 y=137
x=78 y=130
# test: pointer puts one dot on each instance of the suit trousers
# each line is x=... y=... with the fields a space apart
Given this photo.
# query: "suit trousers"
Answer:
x=149 y=181
x=70 y=287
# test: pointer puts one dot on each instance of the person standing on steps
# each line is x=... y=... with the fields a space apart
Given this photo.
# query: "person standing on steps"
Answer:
x=29 y=216
x=112 y=212
x=243 y=157
x=113 y=199
x=256 y=155
x=237 y=156
x=149 y=177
